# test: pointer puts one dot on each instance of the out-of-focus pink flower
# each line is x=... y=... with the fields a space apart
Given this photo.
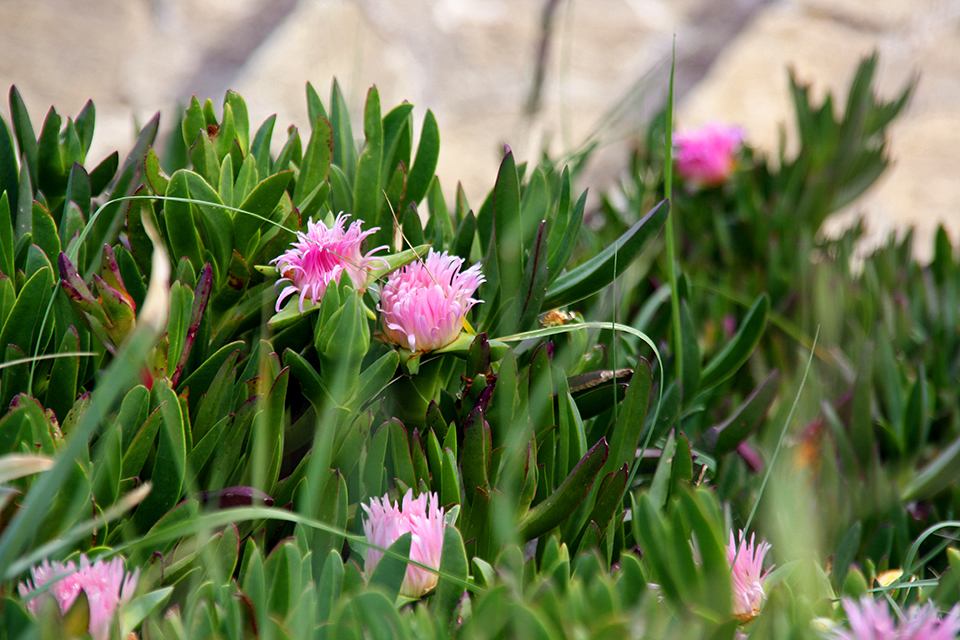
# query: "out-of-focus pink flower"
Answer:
x=422 y=517
x=871 y=620
x=106 y=585
x=746 y=562
x=321 y=255
x=424 y=303
x=706 y=156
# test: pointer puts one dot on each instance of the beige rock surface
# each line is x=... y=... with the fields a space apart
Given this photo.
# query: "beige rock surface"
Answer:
x=473 y=61
x=823 y=40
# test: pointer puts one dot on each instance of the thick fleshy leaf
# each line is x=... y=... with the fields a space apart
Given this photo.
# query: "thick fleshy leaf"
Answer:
x=609 y=497
x=44 y=231
x=23 y=323
x=571 y=434
x=316 y=160
x=329 y=586
x=390 y=571
x=181 y=301
x=51 y=173
x=6 y=236
x=602 y=269
x=9 y=168
x=241 y=120
x=315 y=107
x=180 y=222
x=396 y=140
x=690 y=352
x=208 y=442
x=475 y=461
x=860 y=428
x=630 y=419
x=204 y=158
x=344 y=146
x=660 y=485
x=204 y=377
x=171 y=456
x=916 y=417
x=110 y=216
x=375 y=378
x=260 y=149
x=411 y=228
x=23 y=131
x=736 y=352
x=216 y=222
x=450 y=478
x=701 y=516
x=193 y=123
x=140 y=446
x=508 y=228
x=561 y=503
x=566 y=226
x=721 y=439
x=291 y=152
x=367 y=194
x=62 y=388
x=453 y=562
x=681 y=470
x=279 y=570
x=157 y=179
x=525 y=308
x=268 y=435
x=225 y=188
x=198 y=308
x=247 y=179
x=846 y=553
x=133 y=413
x=102 y=174
x=935 y=476
x=403 y=467
x=261 y=202
x=425 y=164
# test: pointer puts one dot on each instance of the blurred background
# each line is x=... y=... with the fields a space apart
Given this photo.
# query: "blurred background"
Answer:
x=538 y=75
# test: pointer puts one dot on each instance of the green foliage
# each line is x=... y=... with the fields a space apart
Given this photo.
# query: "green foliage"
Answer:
x=159 y=405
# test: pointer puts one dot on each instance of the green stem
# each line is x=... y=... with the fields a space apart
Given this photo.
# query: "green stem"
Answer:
x=671 y=242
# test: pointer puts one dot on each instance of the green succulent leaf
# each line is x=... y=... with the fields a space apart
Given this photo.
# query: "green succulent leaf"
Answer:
x=388 y=575
x=562 y=502
x=602 y=269
x=736 y=352
x=721 y=439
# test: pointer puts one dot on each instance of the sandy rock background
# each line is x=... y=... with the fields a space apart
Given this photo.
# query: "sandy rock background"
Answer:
x=603 y=66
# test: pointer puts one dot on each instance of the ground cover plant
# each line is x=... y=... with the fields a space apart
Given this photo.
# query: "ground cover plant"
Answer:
x=316 y=393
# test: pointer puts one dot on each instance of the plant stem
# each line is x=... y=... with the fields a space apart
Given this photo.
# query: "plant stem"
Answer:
x=671 y=242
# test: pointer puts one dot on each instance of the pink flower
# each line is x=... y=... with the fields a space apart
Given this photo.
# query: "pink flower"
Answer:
x=106 y=585
x=746 y=563
x=706 y=156
x=424 y=303
x=321 y=255
x=871 y=620
x=422 y=517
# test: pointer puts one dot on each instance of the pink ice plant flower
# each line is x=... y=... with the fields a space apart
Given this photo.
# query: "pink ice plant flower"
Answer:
x=746 y=562
x=424 y=304
x=871 y=620
x=420 y=516
x=106 y=584
x=706 y=156
x=321 y=255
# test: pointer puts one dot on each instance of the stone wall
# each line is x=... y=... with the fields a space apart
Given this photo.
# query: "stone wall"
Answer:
x=604 y=65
